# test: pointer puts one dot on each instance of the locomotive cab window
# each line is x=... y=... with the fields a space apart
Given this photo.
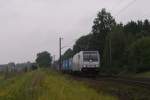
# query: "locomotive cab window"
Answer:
x=90 y=56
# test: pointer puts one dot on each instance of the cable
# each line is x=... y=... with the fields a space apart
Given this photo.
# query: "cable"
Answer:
x=72 y=41
x=117 y=4
x=127 y=6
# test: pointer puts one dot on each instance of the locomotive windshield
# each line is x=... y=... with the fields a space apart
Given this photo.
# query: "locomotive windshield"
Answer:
x=90 y=56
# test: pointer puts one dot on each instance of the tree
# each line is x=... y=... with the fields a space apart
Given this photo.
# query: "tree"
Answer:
x=68 y=54
x=131 y=27
x=103 y=24
x=114 y=50
x=82 y=44
x=146 y=25
x=44 y=59
x=139 y=55
x=146 y=28
x=137 y=29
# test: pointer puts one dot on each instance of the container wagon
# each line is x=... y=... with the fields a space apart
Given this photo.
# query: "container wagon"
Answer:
x=67 y=65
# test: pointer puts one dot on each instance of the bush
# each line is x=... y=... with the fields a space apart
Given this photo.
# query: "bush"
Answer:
x=139 y=55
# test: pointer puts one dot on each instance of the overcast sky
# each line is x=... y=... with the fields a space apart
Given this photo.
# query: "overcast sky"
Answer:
x=31 y=26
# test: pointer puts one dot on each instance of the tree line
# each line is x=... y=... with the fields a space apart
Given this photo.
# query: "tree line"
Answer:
x=122 y=47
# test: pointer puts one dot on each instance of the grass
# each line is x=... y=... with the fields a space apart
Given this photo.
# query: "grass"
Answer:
x=47 y=85
x=143 y=75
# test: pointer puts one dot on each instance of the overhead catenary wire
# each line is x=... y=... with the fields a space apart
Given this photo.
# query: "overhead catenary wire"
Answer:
x=117 y=4
x=70 y=43
x=126 y=7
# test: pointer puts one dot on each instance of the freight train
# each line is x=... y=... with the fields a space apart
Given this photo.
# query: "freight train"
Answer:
x=84 y=61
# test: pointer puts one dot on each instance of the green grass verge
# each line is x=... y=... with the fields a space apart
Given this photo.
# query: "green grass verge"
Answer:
x=143 y=75
x=47 y=85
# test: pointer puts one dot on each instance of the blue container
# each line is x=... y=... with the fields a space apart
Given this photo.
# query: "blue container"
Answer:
x=67 y=64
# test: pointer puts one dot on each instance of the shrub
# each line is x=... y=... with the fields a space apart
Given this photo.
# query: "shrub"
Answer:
x=139 y=55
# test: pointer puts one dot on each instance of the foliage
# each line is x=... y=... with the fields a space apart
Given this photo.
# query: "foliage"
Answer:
x=44 y=59
x=113 y=52
x=138 y=29
x=81 y=44
x=132 y=27
x=67 y=54
x=143 y=75
x=47 y=85
x=139 y=55
x=103 y=23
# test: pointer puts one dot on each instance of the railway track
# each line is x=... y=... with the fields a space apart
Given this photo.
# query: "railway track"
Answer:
x=142 y=82
x=129 y=81
x=125 y=88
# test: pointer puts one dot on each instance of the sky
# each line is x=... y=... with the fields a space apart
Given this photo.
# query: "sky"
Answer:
x=28 y=27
